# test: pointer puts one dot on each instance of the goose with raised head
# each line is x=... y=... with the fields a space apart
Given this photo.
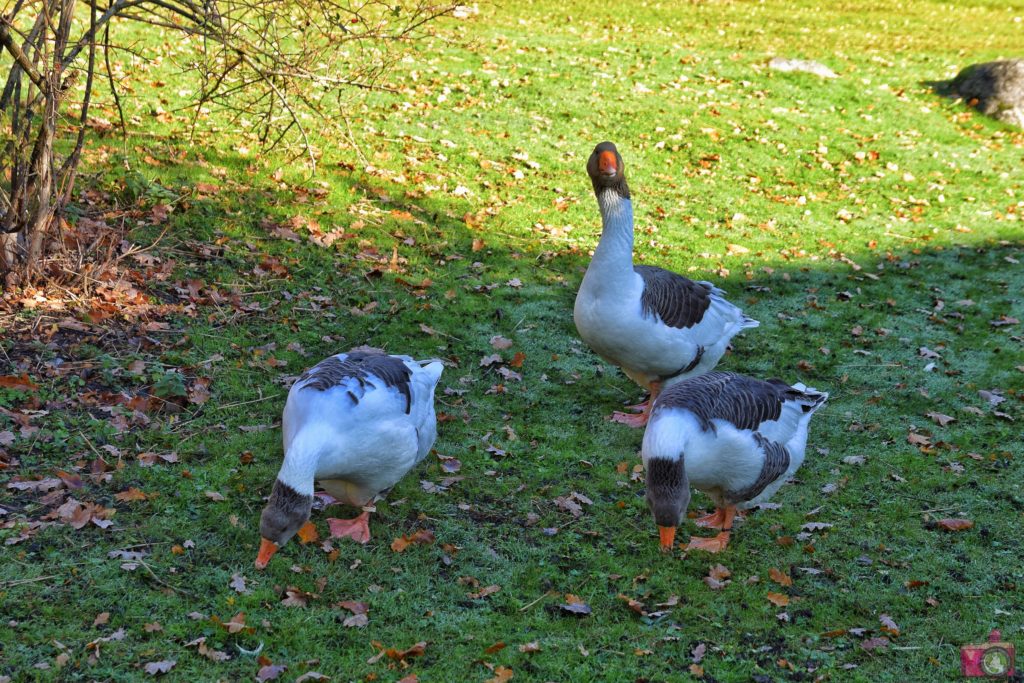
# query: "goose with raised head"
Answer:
x=657 y=326
x=736 y=438
x=357 y=422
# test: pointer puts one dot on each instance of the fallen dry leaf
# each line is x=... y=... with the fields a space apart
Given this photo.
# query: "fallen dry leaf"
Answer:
x=497 y=647
x=307 y=533
x=161 y=667
x=130 y=494
x=778 y=599
x=270 y=672
x=875 y=643
x=888 y=625
x=22 y=383
x=780 y=577
x=501 y=674
x=238 y=583
x=940 y=419
x=421 y=537
x=532 y=646
x=236 y=624
x=483 y=592
x=954 y=524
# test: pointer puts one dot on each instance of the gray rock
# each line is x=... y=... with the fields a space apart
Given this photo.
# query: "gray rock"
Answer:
x=805 y=65
x=995 y=88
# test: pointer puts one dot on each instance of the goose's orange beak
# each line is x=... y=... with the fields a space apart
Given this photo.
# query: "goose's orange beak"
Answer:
x=607 y=164
x=267 y=550
x=668 y=537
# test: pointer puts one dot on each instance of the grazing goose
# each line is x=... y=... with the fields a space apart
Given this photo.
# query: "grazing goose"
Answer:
x=656 y=325
x=734 y=437
x=356 y=422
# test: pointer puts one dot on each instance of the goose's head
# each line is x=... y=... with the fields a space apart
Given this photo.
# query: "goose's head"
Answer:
x=285 y=513
x=668 y=495
x=606 y=170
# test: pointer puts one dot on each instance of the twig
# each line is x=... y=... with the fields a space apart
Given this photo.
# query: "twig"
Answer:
x=164 y=583
x=18 y=582
x=8 y=42
x=245 y=403
x=526 y=607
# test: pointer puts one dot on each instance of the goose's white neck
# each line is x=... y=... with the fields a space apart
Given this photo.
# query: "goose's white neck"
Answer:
x=614 y=254
x=301 y=459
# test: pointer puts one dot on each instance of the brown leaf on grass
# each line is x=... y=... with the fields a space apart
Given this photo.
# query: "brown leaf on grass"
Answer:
x=497 y=647
x=888 y=625
x=199 y=392
x=483 y=592
x=517 y=360
x=993 y=397
x=875 y=643
x=353 y=606
x=152 y=627
x=490 y=360
x=22 y=383
x=632 y=604
x=573 y=503
x=500 y=343
x=779 y=577
x=356 y=621
x=575 y=605
x=149 y=459
x=954 y=524
x=317 y=676
x=779 y=599
x=416 y=650
x=101 y=618
x=1003 y=321
x=208 y=652
x=449 y=464
x=940 y=419
x=307 y=533
x=131 y=494
x=296 y=597
x=532 y=646
x=270 y=672
x=501 y=674
x=238 y=583
x=718 y=577
x=215 y=496
x=161 y=667
x=236 y=624
x=420 y=537
x=916 y=439
x=119 y=634
x=697 y=671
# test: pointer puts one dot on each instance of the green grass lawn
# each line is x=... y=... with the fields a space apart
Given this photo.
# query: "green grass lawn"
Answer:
x=873 y=228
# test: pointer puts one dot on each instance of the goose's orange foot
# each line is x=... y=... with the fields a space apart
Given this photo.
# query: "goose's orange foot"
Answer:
x=357 y=529
x=630 y=419
x=715 y=544
x=716 y=520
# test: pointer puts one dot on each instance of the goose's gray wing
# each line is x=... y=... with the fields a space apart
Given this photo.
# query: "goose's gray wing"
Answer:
x=678 y=301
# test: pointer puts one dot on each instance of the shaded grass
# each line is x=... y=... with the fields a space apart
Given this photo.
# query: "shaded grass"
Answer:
x=546 y=433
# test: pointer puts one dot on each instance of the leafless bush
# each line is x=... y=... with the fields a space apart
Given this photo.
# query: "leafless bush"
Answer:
x=274 y=63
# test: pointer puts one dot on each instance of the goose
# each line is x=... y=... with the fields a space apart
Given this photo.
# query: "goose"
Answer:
x=657 y=326
x=357 y=422
x=734 y=437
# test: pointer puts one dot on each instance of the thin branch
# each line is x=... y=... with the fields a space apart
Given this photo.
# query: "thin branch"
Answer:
x=8 y=42
x=113 y=84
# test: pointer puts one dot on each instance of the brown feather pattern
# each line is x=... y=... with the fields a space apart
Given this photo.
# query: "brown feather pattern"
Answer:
x=776 y=462
x=678 y=301
x=360 y=365
x=744 y=401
